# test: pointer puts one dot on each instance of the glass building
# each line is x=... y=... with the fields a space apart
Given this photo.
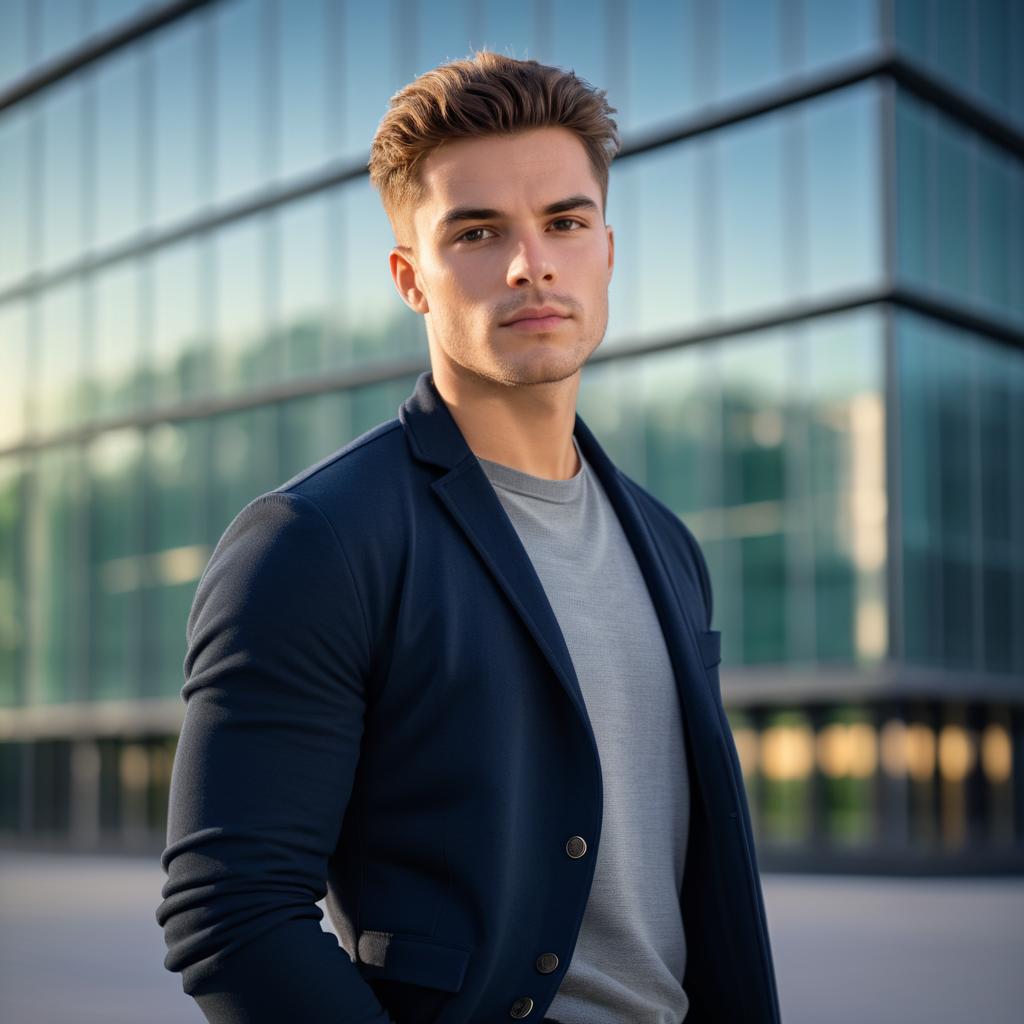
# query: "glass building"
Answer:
x=815 y=356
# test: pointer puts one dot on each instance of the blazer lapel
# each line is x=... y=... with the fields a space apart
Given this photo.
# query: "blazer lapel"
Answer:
x=468 y=495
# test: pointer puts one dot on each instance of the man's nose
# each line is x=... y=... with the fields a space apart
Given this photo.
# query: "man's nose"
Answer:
x=532 y=263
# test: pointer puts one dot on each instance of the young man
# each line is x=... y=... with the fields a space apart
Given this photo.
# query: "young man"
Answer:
x=460 y=676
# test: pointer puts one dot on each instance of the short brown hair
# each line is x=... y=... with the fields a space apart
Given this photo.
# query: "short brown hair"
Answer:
x=488 y=94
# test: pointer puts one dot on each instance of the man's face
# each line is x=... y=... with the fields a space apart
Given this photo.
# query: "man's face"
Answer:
x=510 y=224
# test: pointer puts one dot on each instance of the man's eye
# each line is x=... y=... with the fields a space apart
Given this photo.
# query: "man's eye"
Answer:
x=472 y=231
x=569 y=220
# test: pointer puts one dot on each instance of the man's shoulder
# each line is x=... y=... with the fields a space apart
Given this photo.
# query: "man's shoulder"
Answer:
x=378 y=452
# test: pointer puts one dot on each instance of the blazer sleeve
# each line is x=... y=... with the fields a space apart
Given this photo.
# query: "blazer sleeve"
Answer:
x=278 y=654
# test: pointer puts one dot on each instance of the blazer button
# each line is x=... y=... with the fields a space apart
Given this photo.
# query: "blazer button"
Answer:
x=521 y=1008
x=547 y=962
x=576 y=847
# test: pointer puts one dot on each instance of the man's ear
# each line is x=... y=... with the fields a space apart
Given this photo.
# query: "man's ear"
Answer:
x=611 y=251
x=403 y=272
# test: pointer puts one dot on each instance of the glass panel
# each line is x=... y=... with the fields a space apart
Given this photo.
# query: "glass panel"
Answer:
x=245 y=352
x=749 y=45
x=118 y=134
x=241 y=99
x=15 y=196
x=13 y=371
x=952 y=233
x=63 y=171
x=58 y=367
x=787 y=764
x=245 y=461
x=653 y=207
x=912 y=198
x=993 y=183
x=116 y=341
x=108 y=13
x=370 y=72
x=443 y=33
x=833 y=31
x=62 y=25
x=994 y=44
x=13 y=39
x=750 y=214
x=576 y=38
x=374 y=318
x=502 y=27
x=314 y=427
x=55 y=570
x=661 y=82
x=844 y=207
x=178 y=186
x=950 y=33
x=177 y=458
x=117 y=567
x=303 y=52
x=306 y=289
x=377 y=403
x=847 y=748
x=180 y=355
x=12 y=581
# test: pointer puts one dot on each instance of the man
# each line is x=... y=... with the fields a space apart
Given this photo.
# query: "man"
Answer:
x=460 y=676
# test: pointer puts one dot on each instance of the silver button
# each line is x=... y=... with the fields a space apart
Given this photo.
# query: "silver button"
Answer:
x=576 y=847
x=521 y=1008
x=547 y=962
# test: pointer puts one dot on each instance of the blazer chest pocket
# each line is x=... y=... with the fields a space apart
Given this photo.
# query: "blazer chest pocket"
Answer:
x=710 y=643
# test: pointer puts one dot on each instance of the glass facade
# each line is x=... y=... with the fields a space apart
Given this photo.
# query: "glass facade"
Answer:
x=815 y=357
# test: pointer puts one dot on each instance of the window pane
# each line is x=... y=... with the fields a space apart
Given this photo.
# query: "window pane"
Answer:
x=117 y=574
x=178 y=76
x=443 y=33
x=180 y=355
x=662 y=82
x=241 y=100
x=913 y=225
x=116 y=343
x=834 y=31
x=750 y=205
x=12 y=581
x=13 y=39
x=63 y=172
x=370 y=74
x=576 y=37
x=844 y=208
x=58 y=365
x=376 y=322
x=13 y=371
x=108 y=13
x=245 y=352
x=749 y=48
x=55 y=570
x=62 y=26
x=302 y=51
x=118 y=133
x=15 y=196
x=993 y=182
x=952 y=248
x=177 y=459
x=314 y=427
x=245 y=461
x=305 y=290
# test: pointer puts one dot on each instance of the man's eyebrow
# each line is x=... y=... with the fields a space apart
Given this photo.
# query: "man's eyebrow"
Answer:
x=461 y=213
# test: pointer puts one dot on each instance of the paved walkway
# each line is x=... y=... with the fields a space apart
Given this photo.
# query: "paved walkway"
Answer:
x=79 y=942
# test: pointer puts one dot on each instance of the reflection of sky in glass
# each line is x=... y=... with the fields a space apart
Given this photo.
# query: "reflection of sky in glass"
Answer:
x=177 y=101
x=305 y=287
x=240 y=97
x=13 y=39
x=63 y=168
x=117 y=148
x=304 y=48
x=176 y=319
x=116 y=342
x=749 y=45
x=14 y=195
x=241 y=305
x=442 y=33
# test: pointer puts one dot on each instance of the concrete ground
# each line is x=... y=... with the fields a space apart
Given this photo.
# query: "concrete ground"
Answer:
x=79 y=942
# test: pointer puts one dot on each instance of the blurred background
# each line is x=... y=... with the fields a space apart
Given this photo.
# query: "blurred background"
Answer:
x=815 y=357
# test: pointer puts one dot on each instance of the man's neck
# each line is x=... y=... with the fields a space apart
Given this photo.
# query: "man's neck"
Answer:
x=528 y=427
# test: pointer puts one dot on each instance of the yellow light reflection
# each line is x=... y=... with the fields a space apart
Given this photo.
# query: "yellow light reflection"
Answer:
x=848 y=750
x=956 y=753
x=996 y=753
x=920 y=752
x=787 y=752
x=134 y=766
x=894 y=748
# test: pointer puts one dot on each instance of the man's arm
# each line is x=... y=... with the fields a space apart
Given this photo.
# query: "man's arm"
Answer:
x=278 y=652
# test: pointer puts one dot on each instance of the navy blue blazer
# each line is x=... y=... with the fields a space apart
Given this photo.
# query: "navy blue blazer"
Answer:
x=381 y=708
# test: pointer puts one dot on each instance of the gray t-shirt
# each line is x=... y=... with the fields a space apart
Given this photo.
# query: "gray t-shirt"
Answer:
x=630 y=957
